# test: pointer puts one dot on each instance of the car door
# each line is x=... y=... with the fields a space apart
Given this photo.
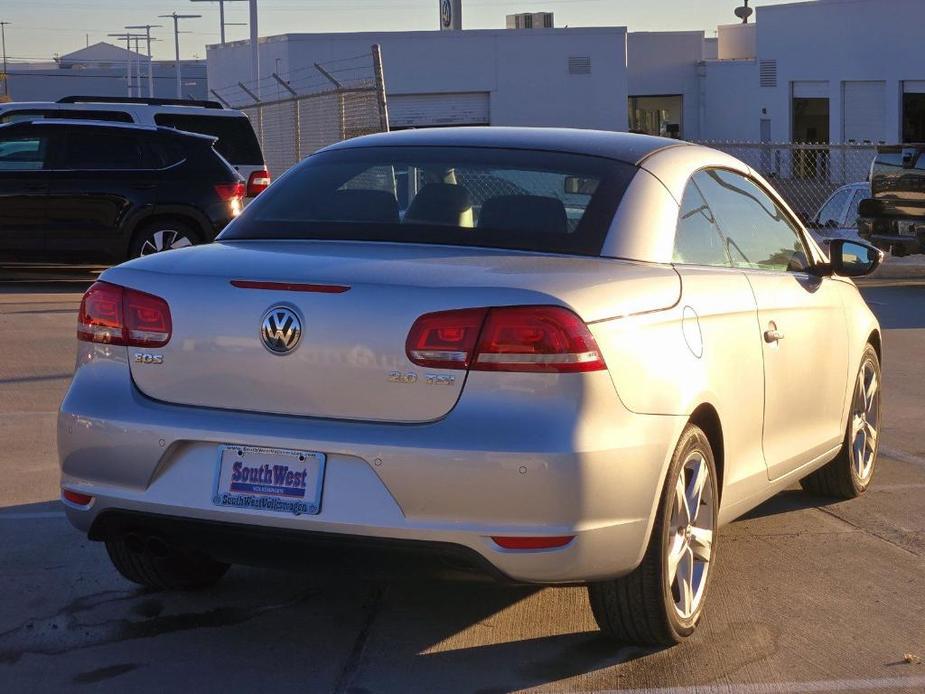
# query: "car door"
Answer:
x=24 y=153
x=719 y=315
x=100 y=180
x=801 y=322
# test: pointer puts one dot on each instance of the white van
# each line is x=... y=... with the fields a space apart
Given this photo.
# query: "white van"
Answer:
x=237 y=142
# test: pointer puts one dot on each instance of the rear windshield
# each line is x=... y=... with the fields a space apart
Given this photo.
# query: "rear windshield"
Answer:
x=236 y=139
x=495 y=198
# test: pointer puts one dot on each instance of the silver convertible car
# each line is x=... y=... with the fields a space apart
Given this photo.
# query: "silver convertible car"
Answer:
x=559 y=356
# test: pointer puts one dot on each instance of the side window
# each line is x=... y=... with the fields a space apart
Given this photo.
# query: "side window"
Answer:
x=98 y=149
x=758 y=233
x=697 y=240
x=23 y=152
x=831 y=213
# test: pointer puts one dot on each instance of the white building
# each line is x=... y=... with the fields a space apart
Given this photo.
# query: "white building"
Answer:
x=824 y=70
x=543 y=77
x=102 y=70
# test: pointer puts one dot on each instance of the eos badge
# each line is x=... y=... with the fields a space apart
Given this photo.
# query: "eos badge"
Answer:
x=149 y=359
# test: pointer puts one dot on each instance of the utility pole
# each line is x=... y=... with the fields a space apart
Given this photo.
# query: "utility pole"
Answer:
x=128 y=46
x=221 y=16
x=255 y=48
x=6 y=77
x=148 y=28
x=176 y=40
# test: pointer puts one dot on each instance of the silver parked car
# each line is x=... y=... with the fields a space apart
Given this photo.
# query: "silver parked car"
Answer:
x=565 y=356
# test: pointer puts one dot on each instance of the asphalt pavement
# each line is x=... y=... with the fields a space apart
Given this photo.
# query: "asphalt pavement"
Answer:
x=809 y=596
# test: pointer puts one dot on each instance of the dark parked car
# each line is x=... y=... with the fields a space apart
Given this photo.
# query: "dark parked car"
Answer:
x=108 y=191
x=894 y=217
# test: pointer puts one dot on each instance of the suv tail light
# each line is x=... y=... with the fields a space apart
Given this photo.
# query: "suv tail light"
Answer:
x=258 y=182
x=516 y=338
x=114 y=315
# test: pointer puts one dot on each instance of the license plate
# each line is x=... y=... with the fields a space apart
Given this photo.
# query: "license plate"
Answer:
x=275 y=480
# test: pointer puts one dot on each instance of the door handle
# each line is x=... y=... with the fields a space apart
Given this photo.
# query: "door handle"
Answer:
x=772 y=334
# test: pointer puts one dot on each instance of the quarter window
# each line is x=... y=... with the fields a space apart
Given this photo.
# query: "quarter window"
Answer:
x=697 y=240
x=758 y=233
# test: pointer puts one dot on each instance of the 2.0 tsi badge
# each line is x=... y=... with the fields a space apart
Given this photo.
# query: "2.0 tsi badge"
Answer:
x=281 y=330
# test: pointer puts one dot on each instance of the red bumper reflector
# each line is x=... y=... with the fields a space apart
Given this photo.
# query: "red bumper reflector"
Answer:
x=291 y=287
x=76 y=497
x=533 y=542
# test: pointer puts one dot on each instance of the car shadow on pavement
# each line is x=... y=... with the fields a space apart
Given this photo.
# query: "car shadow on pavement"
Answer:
x=787 y=501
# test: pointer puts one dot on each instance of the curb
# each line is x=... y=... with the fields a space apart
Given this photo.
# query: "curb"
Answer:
x=900 y=271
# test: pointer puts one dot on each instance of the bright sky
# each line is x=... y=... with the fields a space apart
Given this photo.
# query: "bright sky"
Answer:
x=43 y=28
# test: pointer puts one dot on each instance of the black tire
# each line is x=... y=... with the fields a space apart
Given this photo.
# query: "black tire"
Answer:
x=154 y=564
x=162 y=235
x=839 y=478
x=639 y=608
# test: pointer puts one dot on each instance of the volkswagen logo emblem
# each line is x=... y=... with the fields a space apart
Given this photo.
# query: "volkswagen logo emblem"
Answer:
x=281 y=330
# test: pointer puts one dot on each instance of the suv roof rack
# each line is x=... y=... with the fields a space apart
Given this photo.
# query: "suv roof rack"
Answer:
x=139 y=100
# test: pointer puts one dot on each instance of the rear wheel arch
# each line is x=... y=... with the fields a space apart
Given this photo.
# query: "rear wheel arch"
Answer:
x=875 y=341
x=706 y=417
x=186 y=222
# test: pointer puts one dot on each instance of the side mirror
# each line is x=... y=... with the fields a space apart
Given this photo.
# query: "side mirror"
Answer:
x=853 y=258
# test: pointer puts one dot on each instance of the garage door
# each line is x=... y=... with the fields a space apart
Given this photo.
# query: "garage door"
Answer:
x=914 y=87
x=865 y=111
x=428 y=110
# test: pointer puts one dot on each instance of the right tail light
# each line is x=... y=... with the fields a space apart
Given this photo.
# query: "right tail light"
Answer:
x=515 y=338
x=258 y=182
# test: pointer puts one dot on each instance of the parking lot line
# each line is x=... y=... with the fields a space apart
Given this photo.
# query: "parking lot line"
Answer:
x=879 y=684
x=902 y=456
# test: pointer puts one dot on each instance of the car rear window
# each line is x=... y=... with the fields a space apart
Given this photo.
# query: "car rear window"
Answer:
x=236 y=139
x=497 y=198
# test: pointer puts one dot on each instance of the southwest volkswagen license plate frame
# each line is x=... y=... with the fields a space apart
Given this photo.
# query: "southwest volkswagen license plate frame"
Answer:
x=279 y=480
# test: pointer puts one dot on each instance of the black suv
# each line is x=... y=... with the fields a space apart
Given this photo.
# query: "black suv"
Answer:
x=107 y=191
x=894 y=217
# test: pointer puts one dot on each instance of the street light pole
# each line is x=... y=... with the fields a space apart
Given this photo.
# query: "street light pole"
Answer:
x=176 y=40
x=148 y=28
x=128 y=47
x=221 y=16
x=255 y=49
x=6 y=77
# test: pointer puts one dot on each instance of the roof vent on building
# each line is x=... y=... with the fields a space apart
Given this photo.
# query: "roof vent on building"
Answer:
x=767 y=71
x=579 y=65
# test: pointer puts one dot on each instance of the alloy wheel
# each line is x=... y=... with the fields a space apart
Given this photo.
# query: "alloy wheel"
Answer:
x=690 y=535
x=865 y=422
x=164 y=240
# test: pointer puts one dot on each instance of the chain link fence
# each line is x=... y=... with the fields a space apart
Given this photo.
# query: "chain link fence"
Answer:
x=805 y=175
x=314 y=107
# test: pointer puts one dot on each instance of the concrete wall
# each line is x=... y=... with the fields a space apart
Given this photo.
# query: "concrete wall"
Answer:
x=50 y=83
x=525 y=72
x=837 y=41
x=737 y=41
x=661 y=63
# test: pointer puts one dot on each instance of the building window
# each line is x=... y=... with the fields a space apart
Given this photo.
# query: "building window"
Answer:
x=657 y=115
x=914 y=112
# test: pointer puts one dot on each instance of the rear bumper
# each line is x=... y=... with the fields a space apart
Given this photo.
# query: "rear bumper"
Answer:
x=592 y=470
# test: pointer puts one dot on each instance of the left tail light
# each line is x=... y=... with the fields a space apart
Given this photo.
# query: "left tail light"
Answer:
x=233 y=194
x=258 y=182
x=114 y=315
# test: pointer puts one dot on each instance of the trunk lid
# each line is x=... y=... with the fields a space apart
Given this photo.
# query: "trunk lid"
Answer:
x=350 y=362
